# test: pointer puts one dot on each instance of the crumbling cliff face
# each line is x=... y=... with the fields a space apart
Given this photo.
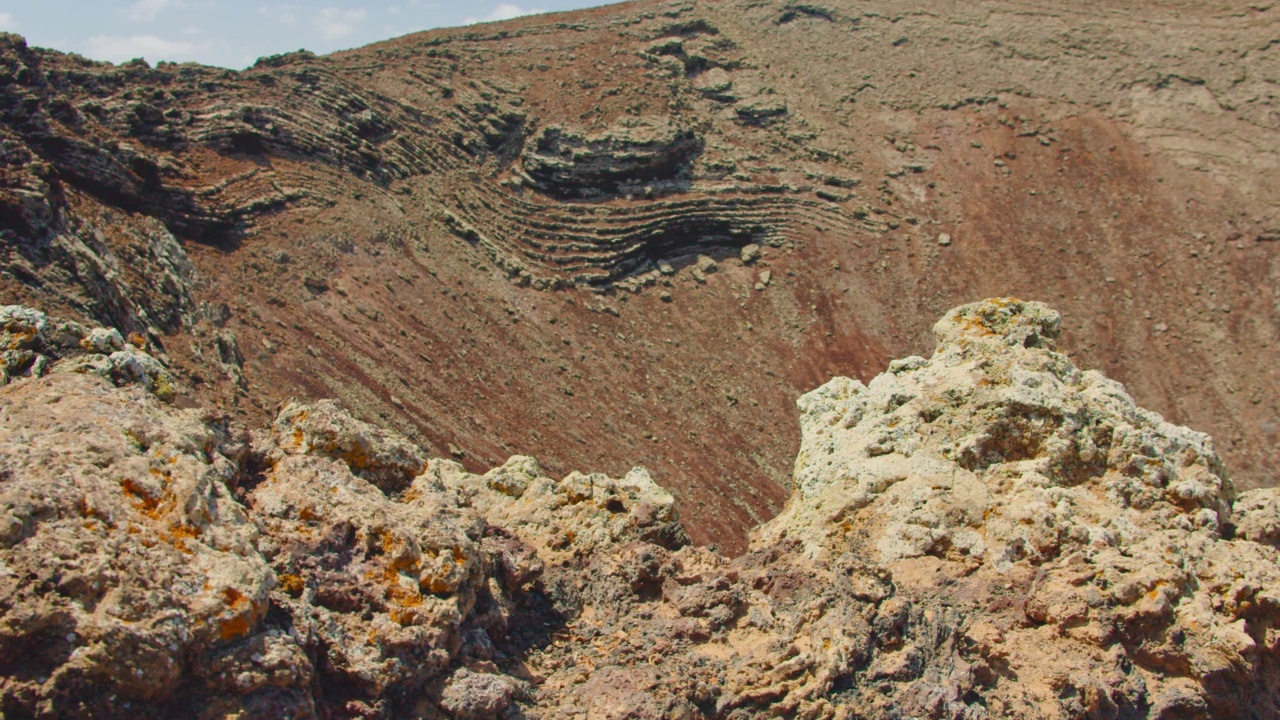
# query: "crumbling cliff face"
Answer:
x=989 y=532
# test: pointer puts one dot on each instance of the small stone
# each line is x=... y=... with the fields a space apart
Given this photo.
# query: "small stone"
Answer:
x=765 y=277
x=698 y=276
x=944 y=239
x=477 y=696
x=665 y=268
x=749 y=253
x=665 y=296
x=103 y=340
x=707 y=265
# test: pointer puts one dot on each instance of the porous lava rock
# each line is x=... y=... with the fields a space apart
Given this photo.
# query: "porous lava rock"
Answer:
x=1087 y=547
x=989 y=532
x=410 y=225
x=124 y=558
x=31 y=342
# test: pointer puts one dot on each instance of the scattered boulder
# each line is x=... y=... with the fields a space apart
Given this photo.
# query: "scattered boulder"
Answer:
x=715 y=84
x=388 y=460
x=477 y=696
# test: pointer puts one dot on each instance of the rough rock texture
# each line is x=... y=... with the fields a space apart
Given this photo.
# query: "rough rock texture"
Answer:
x=630 y=159
x=987 y=533
x=31 y=343
x=413 y=225
x=124 y=557
x=1088 y=549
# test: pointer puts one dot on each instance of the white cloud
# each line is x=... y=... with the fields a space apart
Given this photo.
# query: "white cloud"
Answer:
x=504 y=11
x=334 y=23
x=115 y=48
x=286 y=14
x=7 y=22
x=148 y=10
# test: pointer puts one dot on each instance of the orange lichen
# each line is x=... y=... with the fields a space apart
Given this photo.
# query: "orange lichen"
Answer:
x=140 y=498
x=87 y=510
x=355 y=458
x=403 y=596
x=405 y=618
x=234 y=597
x=178 y=535
x=291 y=584
x=19 y=338
x=184 y=531
x=387 y=540
x=237 y=626
x=246 y=610
x=437 y=586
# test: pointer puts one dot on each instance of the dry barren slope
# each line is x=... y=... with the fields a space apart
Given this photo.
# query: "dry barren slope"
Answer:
x=464 y=233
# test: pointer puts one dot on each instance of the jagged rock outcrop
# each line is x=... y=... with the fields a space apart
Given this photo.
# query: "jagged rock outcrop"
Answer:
x=986 y=533
x=989 y=532
x=33 y=344
x=639 y=158
x=350 y=225
x=124 y=555
x=1088 y=550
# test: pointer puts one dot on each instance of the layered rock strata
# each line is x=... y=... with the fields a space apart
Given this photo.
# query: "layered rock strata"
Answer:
x=986 y=533
x=195 y=138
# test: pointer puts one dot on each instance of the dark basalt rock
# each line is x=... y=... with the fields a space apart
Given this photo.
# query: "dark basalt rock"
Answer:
x=653 y=156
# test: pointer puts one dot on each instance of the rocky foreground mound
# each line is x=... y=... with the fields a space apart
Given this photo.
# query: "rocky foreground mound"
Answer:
x=987 y=533
x=674 y=217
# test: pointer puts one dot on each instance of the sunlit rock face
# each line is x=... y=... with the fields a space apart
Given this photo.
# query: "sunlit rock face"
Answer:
x=986 y=533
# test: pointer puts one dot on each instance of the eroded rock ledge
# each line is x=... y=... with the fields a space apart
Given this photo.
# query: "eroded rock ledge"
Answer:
x=987 y=533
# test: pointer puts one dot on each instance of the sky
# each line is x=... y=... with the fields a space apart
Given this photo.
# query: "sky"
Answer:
x=235 y=33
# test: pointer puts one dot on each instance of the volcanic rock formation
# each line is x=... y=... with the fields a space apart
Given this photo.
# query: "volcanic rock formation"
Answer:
x=989 y=532
x=489 y=237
